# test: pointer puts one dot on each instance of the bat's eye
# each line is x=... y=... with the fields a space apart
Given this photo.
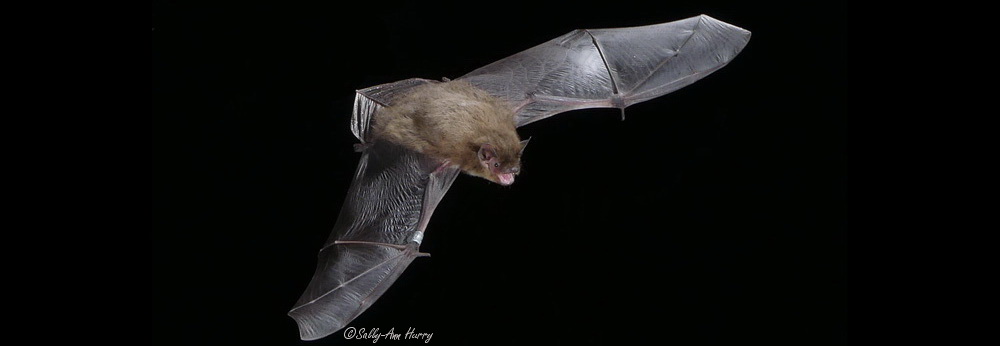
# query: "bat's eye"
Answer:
x=496 y=164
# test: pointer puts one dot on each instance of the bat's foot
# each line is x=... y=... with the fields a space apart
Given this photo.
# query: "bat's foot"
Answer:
x=361 y=147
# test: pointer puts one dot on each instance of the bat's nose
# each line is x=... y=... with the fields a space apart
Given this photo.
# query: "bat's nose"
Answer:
x=514 y=170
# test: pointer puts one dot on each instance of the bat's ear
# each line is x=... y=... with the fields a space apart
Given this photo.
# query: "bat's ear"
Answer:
x=524 y=144
x=486 y=152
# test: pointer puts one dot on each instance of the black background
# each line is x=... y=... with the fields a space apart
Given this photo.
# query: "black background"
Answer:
x=713 y=215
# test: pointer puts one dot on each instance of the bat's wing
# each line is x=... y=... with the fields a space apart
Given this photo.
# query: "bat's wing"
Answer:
x=378 y=232
x=612 y=68
x=370 y=100
x=395 y=190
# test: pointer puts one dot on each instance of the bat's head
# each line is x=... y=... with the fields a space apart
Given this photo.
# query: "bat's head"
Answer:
x=501 y=163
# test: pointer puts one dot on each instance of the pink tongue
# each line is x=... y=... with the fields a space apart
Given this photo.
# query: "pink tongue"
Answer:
x=506 y=178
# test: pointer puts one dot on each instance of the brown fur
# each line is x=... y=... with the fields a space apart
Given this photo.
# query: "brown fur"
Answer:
x=451 y=121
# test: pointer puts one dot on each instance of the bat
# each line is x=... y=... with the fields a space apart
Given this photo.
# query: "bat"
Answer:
x=417 y=135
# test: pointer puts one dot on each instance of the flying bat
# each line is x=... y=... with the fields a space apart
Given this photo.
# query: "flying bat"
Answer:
x=417 y=135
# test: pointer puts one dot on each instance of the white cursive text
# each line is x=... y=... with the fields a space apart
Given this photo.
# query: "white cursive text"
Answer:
x=374 y=334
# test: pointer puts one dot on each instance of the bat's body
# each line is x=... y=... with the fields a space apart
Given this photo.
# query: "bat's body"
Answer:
x=457 y=123
x=418 y=134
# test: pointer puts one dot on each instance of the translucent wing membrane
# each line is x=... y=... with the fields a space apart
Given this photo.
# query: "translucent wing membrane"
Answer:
x=612 y=68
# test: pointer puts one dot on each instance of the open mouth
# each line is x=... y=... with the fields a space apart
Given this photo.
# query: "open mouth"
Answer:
x=506 y=178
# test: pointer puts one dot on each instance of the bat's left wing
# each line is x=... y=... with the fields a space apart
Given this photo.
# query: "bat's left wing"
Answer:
x=609 y=68
x=380 y=227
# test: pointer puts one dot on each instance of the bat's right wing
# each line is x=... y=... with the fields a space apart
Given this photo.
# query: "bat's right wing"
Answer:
x=609 y=68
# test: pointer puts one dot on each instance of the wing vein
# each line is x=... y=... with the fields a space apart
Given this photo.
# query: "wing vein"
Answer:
x=614 y=83
x=345 y=283
x=667 y=59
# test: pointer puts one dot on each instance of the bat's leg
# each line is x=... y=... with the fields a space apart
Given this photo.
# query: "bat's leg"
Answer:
x=441 y=168
x=394 y=246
